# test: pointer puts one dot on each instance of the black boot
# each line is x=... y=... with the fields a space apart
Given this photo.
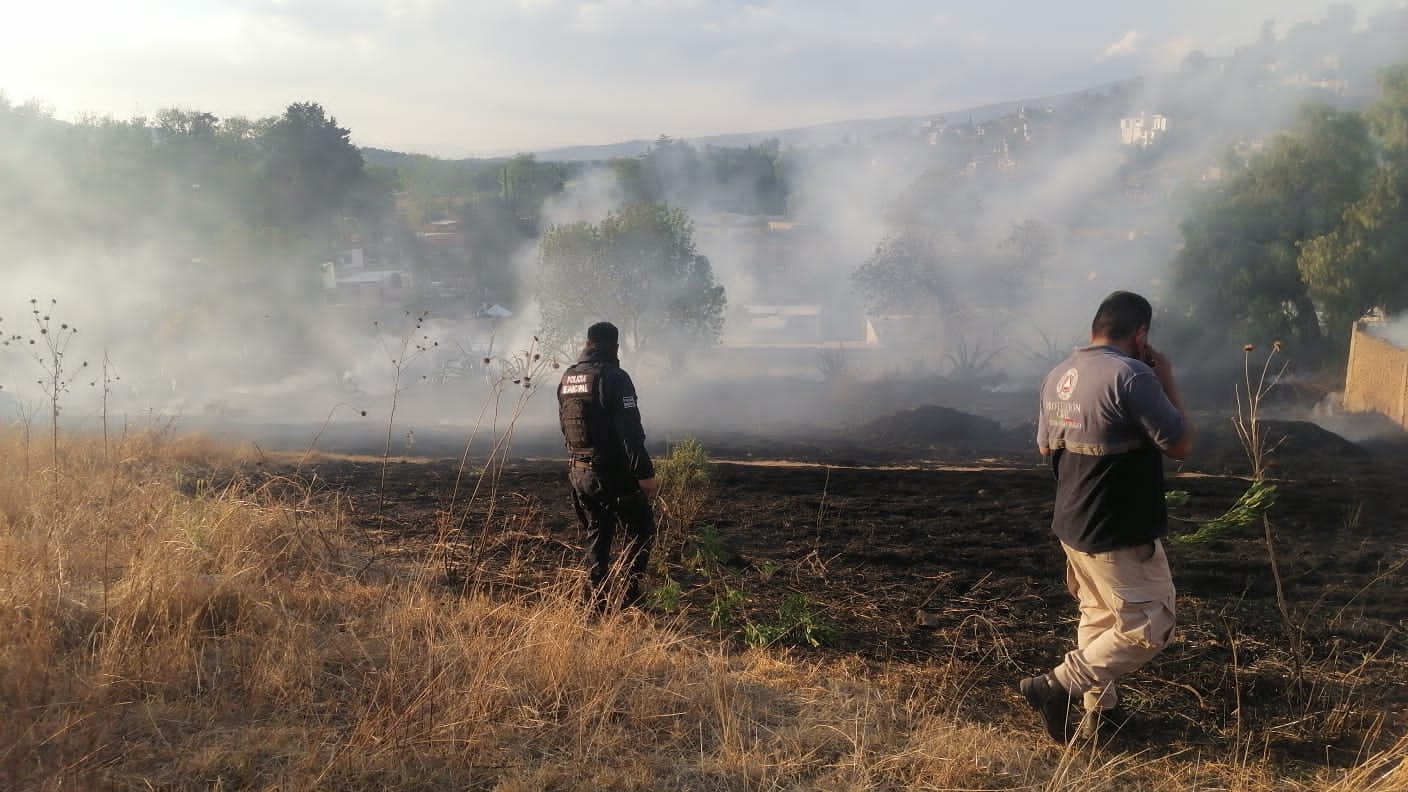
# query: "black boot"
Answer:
x=1053 y=704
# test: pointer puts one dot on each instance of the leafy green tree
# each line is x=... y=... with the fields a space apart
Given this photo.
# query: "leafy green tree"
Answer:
x=231 y=202
x=525 y=183
x=1358 y=265
x=1309 y=235
x=638 y=268
x=311 y=165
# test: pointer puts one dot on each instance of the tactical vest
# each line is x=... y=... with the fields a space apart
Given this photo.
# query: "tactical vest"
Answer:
x=579 y=391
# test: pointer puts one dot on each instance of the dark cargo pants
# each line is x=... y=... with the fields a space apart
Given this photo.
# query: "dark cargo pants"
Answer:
x=604 y=503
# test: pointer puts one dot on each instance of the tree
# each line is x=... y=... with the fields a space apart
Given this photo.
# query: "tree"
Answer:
x=1358 y=265
x=525 y=183
x=1028 y=246
x=673 y=171
x=1309 y=235
x=311 y=165
x=1240 y=264
x=932 y=222
x=937 y=261
x=496 y=235
x=909 y=273
x=748 y=180
x=637 y=268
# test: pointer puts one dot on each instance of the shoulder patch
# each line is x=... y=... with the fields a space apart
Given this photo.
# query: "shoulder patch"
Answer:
x=576 y=383
x=628 y=402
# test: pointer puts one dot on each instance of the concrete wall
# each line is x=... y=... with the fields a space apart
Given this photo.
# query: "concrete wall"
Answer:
x=1377 y=379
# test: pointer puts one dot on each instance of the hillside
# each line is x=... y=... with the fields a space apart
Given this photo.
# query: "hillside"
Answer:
x=820 y=134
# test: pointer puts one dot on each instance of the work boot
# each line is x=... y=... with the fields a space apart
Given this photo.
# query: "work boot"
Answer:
x=1103 y=723
x=1053 y=704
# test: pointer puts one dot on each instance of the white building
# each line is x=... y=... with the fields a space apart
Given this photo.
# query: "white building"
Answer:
x=346 y=280
x=1143 y=130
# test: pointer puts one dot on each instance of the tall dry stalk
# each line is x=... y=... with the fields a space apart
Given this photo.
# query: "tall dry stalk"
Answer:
x=49 y=349
x=522 y=374
x=1259 y=449
x=109 y=377
x=1250 y=394
x=412 y=345
x=327 y=421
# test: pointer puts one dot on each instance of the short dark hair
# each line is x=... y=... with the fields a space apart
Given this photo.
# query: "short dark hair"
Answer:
x=603 y=334
x=1121 y=315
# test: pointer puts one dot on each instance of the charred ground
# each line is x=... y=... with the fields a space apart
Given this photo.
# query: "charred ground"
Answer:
x=932 y=546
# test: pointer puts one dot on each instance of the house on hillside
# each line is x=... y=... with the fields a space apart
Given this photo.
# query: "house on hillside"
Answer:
x=348 y=280
x=443 y=252
x=778 y=255
x=1325 y=82
x=459 y=267
x=791 y=339
x=785 y=324
x=1143 y=129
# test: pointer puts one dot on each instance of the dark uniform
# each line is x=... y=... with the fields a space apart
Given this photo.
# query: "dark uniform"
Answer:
x=601 y=425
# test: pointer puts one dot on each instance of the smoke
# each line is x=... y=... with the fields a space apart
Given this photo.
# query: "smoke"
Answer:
x=586 y=199
x=1107 y=173
x=241 y=331
x=188 y=302
x=1394 y=331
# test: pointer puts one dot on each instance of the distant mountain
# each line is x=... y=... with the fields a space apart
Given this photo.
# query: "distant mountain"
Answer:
x=1328 y=53
x=816 y=134
x=387 y=158
x=605 y=151
x=384 y=157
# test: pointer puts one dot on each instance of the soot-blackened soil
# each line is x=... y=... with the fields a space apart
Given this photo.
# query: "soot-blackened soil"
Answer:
x=953 y=564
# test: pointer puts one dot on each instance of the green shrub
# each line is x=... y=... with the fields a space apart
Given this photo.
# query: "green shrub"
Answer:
x=706 y=550
x=725 y=606
x=686 y=484
x=667 y=596
x=1252 y=504
x=797 y=621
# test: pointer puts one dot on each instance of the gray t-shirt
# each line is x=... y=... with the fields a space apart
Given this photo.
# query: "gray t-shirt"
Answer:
x=1106 y=419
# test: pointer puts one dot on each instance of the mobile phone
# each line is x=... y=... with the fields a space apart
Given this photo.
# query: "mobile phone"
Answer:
x=1144 y=352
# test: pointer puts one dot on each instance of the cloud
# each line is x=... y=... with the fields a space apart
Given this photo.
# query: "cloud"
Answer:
x=498 y=75
x=1127 y=44
x=1172 y=52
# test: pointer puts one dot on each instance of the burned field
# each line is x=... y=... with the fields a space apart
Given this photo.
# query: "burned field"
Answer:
x=929 y=555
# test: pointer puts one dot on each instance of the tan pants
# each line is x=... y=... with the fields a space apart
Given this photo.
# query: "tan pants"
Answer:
x=1126 y=617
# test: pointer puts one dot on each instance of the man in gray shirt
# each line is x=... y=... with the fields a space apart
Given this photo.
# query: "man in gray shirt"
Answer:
x=1109 y=413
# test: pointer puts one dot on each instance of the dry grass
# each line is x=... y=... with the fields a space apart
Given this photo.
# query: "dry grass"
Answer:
x=158 y=633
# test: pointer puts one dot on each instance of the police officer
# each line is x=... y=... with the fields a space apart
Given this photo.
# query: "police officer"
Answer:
x=611 y=473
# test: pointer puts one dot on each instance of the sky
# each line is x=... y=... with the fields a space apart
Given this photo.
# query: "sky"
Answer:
x=486 y=77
